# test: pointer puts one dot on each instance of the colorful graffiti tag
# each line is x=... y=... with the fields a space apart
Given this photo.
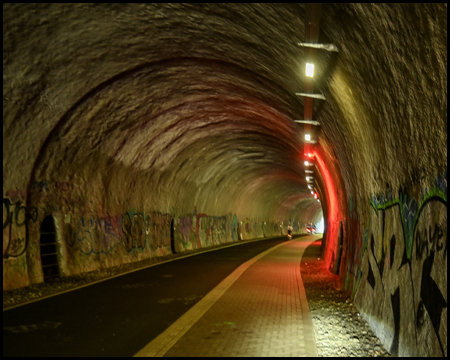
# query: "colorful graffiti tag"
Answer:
x=133 y=230
x=94 y=235
x=159 y=229
x=200 y=230
x=15 y=227
x=405 y=252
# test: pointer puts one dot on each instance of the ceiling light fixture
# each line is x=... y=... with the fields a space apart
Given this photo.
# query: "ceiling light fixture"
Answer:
x=309 y=69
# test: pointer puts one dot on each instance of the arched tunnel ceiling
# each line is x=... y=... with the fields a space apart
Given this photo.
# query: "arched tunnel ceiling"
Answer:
x=171 y=106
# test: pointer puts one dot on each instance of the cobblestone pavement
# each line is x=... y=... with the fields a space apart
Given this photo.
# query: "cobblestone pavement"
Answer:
x=338 y=327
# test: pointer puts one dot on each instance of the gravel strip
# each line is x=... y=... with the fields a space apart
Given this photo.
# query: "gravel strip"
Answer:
x=339 y=329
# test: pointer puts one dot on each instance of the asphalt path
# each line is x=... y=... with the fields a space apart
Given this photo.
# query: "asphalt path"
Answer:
x=119 y=316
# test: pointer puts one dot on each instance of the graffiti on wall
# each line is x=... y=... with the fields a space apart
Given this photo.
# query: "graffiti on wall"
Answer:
x=159 y=230
x=15 y=227
x=356 y=246
x=133 y=230
x=200 y=230
x=211 y=230
x=234 y=228
x=403 y=261
x=410 y=208
x=94 y=235
x=185 y=231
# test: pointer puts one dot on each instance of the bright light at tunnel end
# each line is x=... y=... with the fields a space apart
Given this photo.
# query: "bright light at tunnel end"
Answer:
x=320 y=227
x=307 y=137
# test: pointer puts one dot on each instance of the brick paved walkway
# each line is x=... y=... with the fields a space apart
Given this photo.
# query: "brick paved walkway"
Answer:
x=259 y=310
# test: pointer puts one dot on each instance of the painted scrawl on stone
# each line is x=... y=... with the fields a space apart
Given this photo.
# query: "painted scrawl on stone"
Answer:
x=15 y=227
x=402 y=273
x=185 y=231
x=135 y=230
x=140 y=229
x=234 y=228
x=196 y=231
x=211 y=229
x=94 y=235
x=159 y=230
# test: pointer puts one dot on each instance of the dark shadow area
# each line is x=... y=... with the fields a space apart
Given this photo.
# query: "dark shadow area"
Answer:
x=49 y=256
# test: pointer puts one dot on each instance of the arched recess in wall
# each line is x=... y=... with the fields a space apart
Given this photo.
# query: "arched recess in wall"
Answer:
x=172 y=236
x=49 y=256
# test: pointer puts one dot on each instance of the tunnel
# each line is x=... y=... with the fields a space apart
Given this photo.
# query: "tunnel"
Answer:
x=144 y=130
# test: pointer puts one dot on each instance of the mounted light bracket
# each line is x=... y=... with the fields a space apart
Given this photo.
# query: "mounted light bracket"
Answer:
x=315 y=96
x=311 y=122
x=327 y=47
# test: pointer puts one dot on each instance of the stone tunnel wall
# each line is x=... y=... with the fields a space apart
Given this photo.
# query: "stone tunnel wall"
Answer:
x=118 y=119
x=87 y=242
x=389 y=103
x=402 y=279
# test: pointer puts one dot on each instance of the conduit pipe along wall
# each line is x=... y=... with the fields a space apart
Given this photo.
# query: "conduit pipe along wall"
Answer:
x=122 y=119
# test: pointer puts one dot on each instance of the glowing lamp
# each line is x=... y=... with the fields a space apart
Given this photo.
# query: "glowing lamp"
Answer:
x=312 y=192
x=318 y=200
x=307 y=137
x=306 y=163
x=315 y=196
x=309 y=69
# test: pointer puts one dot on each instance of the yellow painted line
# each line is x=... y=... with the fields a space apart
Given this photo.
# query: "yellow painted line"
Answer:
x=163 y=342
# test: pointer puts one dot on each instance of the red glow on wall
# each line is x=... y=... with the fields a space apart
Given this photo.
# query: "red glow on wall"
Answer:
x=332 y=199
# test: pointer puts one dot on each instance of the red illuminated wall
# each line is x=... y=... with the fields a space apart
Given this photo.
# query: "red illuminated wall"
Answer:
x=332 y=194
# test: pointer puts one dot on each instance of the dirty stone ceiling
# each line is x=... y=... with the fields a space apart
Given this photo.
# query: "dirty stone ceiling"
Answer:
x=170 y=106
